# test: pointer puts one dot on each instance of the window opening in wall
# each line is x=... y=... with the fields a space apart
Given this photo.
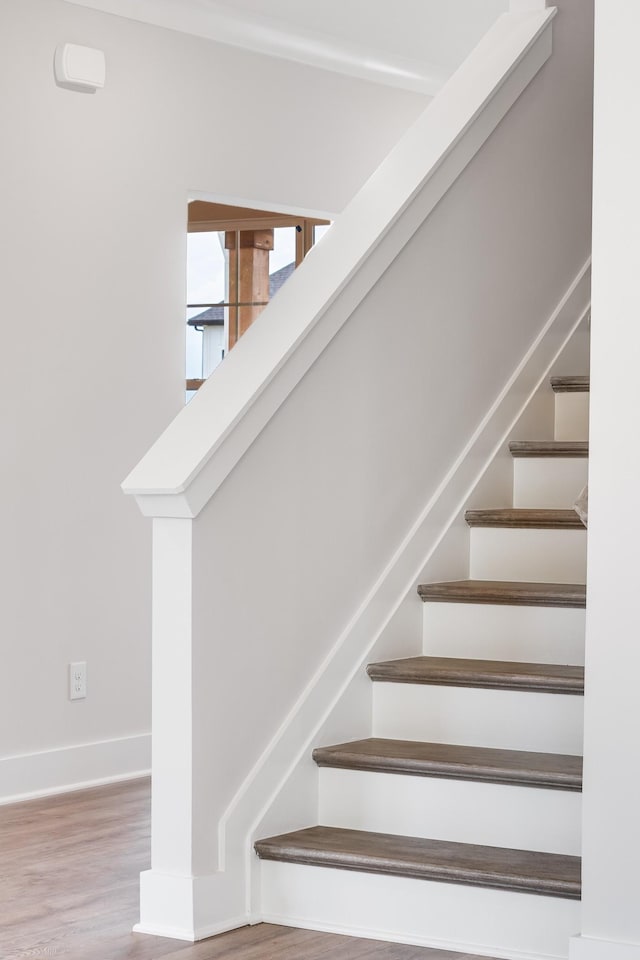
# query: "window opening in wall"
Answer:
x=237 y=260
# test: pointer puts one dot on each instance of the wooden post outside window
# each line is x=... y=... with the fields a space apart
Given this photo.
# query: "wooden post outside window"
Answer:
x=248 y=277
x=305 y=238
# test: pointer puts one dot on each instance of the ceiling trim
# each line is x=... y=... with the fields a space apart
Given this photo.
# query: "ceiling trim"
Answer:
x=217 y=21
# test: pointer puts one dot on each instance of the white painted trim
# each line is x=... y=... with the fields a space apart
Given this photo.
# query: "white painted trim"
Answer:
x=172 y=813
x=273 y=37
x=591 y=948
x=65 y=769
x=292 y=743
x=188 y=907
x=191 y=936
x=199 y=449
x=366 y=933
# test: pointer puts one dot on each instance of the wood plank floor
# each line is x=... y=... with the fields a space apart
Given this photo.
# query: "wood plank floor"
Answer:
x=69 y=890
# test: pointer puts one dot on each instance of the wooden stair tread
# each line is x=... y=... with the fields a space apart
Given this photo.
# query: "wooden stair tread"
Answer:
x=570 y=384
x=525 y=518
x=460 y=672
x=549 y=874
x=549 y=448
x=453 y=761
x=510 y=592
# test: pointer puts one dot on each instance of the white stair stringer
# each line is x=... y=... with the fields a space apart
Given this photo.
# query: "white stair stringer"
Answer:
x=548 y=482
x=474 y=920
x=571 y=416
x=502 y=632
x=504 y=815
x=474 y=716
x=450 y=916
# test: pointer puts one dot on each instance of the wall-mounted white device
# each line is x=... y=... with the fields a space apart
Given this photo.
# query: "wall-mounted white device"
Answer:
x=79 y=68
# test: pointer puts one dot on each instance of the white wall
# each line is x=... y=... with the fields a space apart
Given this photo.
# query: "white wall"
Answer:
x=93 y=206
x=611 y=844
x=426 y=30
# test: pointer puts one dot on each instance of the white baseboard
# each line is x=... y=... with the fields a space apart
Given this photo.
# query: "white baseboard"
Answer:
x=63 y=769
x=465 y=949
x=192 y=936
x=590 y=948
x=182 y=907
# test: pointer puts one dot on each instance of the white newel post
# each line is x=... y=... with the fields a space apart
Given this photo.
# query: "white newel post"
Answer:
x=611 y=826
x=187 y=894
x=166 y=890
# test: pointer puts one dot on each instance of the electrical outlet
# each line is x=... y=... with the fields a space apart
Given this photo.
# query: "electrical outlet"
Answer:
x=78 y=680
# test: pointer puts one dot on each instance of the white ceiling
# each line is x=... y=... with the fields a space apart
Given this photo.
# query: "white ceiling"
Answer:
x=438 y=31
x=414 y=44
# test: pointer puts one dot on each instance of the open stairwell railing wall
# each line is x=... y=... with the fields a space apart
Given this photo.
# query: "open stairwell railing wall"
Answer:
x=298 y=496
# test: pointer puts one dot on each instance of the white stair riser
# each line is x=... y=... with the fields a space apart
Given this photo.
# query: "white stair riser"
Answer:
x=571 y=416
x=501 y=632
x=556 y=556
x=506 y=719
x=548 y=482
x=491 y=923
x=465 y=811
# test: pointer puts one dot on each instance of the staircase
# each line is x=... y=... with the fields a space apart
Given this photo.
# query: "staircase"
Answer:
x=457 y=824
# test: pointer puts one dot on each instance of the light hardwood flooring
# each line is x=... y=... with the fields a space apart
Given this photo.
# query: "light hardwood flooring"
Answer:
x=69 y=890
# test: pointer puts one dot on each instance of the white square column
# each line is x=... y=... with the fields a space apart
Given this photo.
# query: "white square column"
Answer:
x=611 y=832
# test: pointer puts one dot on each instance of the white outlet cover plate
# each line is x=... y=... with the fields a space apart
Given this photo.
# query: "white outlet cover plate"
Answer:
x=78 y=680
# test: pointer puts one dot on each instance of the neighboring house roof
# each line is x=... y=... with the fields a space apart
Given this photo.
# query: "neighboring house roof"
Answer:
x=214 y=316
x=278 y=278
